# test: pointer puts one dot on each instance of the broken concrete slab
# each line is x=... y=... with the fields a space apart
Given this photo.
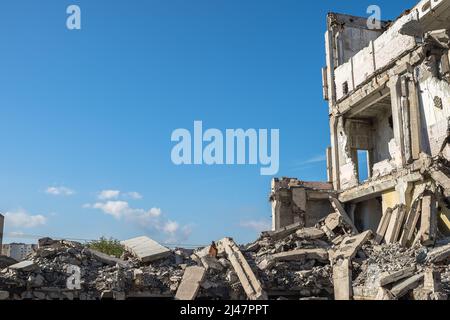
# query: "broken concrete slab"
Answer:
x=395 y=225
x=249 y=281
x=106 y=259
x=350 y=246
x=146 y=249
x=190 y=284
x=211 y=263
x=294 y=255
x=284 y=232
x=345 y=218
x=310 y=233
x=383 y=226
x=333 y=220
x=24 y=266
x=411 y=223
x=342 y=280
x=432 y=281
x=402 y=288
x=439 y=255
x=391 y=277
x=428 y=225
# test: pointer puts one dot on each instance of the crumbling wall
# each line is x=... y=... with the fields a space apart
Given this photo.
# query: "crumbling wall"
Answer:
x=299 y=202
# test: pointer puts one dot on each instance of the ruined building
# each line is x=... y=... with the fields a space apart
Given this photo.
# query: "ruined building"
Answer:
x=388 y=90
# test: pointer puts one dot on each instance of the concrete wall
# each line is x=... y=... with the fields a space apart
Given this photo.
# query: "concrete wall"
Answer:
x=377 y=55
x=316 y=211
x=383 y=134
x=434 y=119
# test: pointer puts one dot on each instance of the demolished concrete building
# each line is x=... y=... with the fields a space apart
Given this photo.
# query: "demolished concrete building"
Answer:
x=381 y=238
x=388 y=90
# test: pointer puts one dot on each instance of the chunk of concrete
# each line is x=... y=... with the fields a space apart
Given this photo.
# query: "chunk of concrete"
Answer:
x=250 y=283
x=284 y=232
x=440 y=254
x=395 y=225
x=350 y=246
x=432 y=281
x=316 y=254
x=342 y=280
x=211 y=263
x=310 y=233
x=410 y=224
x=24 y=266
x=295 y=255
x=401 y=289
x=190 y=284
x=345 y=218
x=333 y=220
x=428 y=227
x=146 y=249
x=383 y=226
x=391 y=277
x=106 y=259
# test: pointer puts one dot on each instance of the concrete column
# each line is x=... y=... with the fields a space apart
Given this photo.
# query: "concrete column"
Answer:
x=415 y=125
x=2 y=222
x=334 y=152
x=342 y=280
x=396 y=100
x=404 y=190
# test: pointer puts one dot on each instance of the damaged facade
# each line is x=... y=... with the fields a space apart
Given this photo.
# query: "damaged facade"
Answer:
x=389 y=105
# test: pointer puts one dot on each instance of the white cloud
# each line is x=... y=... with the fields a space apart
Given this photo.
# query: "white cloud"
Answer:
x=109 y=194
x=115 y=208
x=171 y=227
x=134 y=195
x=150 y=220
x=21 y=219
x=59 y=191
x=122 y=209
x=256 y=225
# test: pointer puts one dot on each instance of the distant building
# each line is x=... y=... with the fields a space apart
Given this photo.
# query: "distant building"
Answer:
x=18 y=251
x=2 y=219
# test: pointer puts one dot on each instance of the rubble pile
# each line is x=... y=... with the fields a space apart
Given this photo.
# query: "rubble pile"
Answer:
x=297 y=264
x=328 y=261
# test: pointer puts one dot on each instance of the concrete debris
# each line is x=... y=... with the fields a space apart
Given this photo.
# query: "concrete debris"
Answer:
x=350 y=246
x=24 y=266
x=146 y=249
x=391 y=277
x=406 y=286
x=248 y=279
x=310 y=234
x=440 y=254
x=190 y=284
x=6 y=262
x=342 y=280
x=307 y=264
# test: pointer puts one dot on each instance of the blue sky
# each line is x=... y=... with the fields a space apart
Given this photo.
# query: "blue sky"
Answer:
x=93 y=110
